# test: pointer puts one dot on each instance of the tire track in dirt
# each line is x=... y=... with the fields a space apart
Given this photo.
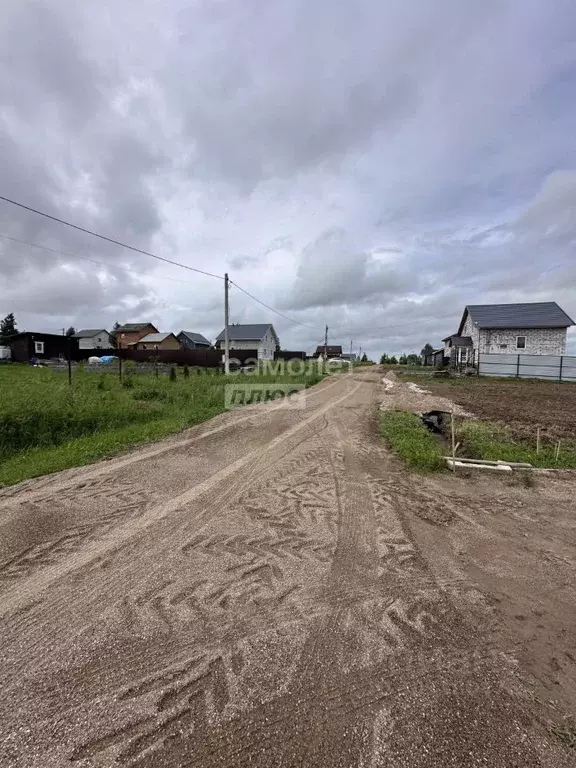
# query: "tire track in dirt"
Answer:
x=289 y=620
x=123 y=533
x=326 y=706
x=177 y=607
x=37 y=487
x=120 y=499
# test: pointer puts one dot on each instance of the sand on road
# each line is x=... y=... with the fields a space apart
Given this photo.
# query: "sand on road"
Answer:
x=268 y=589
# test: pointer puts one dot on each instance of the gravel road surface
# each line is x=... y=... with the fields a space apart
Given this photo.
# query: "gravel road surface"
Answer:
x=254 y=592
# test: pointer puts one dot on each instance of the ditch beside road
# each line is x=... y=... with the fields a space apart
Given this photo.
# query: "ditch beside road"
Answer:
x=273 y=588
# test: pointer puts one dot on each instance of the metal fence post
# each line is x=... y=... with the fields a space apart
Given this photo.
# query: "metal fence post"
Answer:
x=518 y=367
x=561 y=363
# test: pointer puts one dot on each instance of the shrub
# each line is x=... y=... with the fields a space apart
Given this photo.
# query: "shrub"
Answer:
x=186 y=372
x=173 y=376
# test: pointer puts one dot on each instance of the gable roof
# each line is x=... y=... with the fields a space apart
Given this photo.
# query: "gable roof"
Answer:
x=87 y=334
x=459 y=341
x=330 y=350
x=546 y=314
x=196 y=337
x=254 y=332
x=154 y=338
x=133 y=327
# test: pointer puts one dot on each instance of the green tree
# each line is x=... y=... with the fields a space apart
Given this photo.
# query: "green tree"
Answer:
x=427 y=349
x=384 y=359
x=71 y=331
x=392 y=360
x=403 y=360
x=113 y=333
x=364 y=358
x=7 y=328
x=413 y=359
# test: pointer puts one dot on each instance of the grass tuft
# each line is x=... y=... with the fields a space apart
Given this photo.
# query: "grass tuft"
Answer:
x=489 y=440
x=411 y=441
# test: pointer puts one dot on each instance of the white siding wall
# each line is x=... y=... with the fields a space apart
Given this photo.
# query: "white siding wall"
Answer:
x=265 y=350
x=266 y=347
x=96 y=342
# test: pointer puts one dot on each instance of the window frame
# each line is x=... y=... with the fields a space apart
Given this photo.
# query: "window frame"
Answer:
x=38 y=347
x=518 y=346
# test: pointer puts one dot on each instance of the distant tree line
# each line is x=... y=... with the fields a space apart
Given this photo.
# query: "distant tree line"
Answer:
x=411 y=359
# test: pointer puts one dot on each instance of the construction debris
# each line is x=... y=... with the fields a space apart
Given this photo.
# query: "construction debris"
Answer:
x=470 y=465
x=415 y=388
x=507 y=466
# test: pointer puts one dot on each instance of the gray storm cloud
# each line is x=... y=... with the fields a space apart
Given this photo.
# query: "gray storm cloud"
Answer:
x=285 y=142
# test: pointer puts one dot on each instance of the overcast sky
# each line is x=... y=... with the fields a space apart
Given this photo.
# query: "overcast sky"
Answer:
x=373 y=165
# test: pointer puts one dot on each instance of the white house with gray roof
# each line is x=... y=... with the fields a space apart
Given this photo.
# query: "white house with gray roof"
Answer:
x=94 y=338
x=526 y=329
x=260 y=336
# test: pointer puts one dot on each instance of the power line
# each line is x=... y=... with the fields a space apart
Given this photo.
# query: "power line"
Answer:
x=159 y=258
x=86 y=258
x=107 y=239
x=281 y=314
x=341 y=329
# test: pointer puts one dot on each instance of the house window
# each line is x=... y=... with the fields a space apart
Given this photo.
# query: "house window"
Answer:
x=503 y=346
x=39 y=347
x=520 y=342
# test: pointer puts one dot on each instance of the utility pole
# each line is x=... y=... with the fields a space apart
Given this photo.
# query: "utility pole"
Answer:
x=326 y=344
x=350 y=349
x=360 y=354
x=226 y=316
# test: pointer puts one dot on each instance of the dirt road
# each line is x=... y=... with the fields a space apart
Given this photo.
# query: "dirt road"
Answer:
x=269 y=589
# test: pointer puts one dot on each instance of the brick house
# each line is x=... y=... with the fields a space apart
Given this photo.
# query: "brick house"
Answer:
x=525 y=329
x=129 y=334
x=159 y=341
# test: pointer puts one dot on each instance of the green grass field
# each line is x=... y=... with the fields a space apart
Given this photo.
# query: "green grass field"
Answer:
x=47 y=425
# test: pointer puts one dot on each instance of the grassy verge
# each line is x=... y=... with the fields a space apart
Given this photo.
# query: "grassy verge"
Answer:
x=487 y=440
x=411 y=441
x=47 y=425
